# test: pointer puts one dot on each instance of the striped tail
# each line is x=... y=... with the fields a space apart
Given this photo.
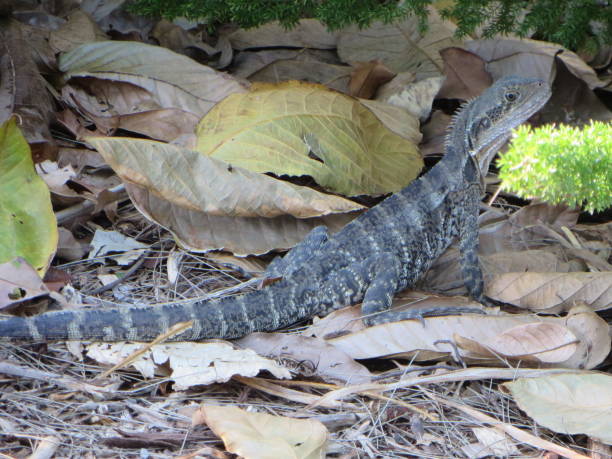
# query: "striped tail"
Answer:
x=230 y=317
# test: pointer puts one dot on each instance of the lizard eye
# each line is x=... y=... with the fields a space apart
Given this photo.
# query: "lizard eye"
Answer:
x=511 y=96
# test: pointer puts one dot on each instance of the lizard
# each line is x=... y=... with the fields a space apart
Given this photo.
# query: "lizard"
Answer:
x=379 y=253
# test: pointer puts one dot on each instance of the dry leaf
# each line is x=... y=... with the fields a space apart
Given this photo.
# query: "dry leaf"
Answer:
x=367 y=77
x=415 y=98
x=190 y=364
x=400 y=45
x=277 y=128
x=315 y=355
x=431 y=338
x=552 y=292
x=79 y=28
x=263 y=436
x=19 y=282
x=572 y=403
x=233 y=209
x=466 y=76
x=194 y=89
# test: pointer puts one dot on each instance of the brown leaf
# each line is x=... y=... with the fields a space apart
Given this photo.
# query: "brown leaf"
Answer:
x=367 y=77
x=550 y=343
x=466 y=76
x=433 y=338
x=552 y=292
x=19 y=282
x=23 y=90
x=402 y=46
x=318 y=357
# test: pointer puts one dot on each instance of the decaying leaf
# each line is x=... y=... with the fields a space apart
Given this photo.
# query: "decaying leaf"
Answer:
x=19 y=282
x=553 y=292
x=487 y=337
x=194 y=89
x=400 y=45
x=209 y=204
x=278 y=128
x=315 y=356
x=572 y=403
x=190 y=364
x=28 y=227
x=261 y=435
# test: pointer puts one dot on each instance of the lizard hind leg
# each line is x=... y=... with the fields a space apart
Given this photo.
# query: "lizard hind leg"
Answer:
x=298 y=255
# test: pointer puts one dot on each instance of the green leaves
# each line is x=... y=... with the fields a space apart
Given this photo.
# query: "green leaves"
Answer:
x=27 y=223
x=561 y=165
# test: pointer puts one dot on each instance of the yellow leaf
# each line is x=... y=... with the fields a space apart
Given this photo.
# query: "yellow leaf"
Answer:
x=299 y=129
x=28 y=227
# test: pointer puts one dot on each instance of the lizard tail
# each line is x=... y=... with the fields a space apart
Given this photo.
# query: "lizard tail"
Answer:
x=230 y=317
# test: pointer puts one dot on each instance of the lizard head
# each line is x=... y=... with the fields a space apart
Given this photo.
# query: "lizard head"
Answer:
x=499 y=109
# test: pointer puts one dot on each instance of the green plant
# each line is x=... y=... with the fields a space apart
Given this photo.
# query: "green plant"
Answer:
x=561 y=164
x=573 y=23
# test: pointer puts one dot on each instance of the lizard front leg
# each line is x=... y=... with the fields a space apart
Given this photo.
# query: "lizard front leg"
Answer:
x=468 y=247
x=298 y=255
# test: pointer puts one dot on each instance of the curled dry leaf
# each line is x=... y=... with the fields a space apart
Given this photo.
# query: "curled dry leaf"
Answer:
x=315 y=355
x=259 y=435
x=208 y=204
x=194 y=89
x=19 y=282
x=79 y=29
x=415 y=98
x=571 y=403
x=580 y=332
x=277 y=128
x=516 y=56
x=190 y=364
x=466 y=76
x=551 y=292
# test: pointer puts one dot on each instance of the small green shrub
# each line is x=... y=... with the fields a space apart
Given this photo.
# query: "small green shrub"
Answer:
x=561 y=165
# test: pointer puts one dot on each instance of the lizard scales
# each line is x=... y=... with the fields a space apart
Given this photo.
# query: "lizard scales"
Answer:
x=378 y=254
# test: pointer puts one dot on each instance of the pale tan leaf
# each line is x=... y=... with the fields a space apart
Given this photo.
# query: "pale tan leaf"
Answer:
x=536 y=342
x=399 y=120
x=278 y=128
x=174 y=80
x=263 y=436
x=515 y=56
x=209 y=185
x=308 y=33
x=593 y=335
x=494 y=443
x=19 y=281
x=528 y=228
x=415 y=98
x=318 y=357
x=552 y=292
x=401 y=46
x=202 y=232
x=190 y=364
x=80 y=28
x=573 y=403
x=432 y=338
x=241 y=211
